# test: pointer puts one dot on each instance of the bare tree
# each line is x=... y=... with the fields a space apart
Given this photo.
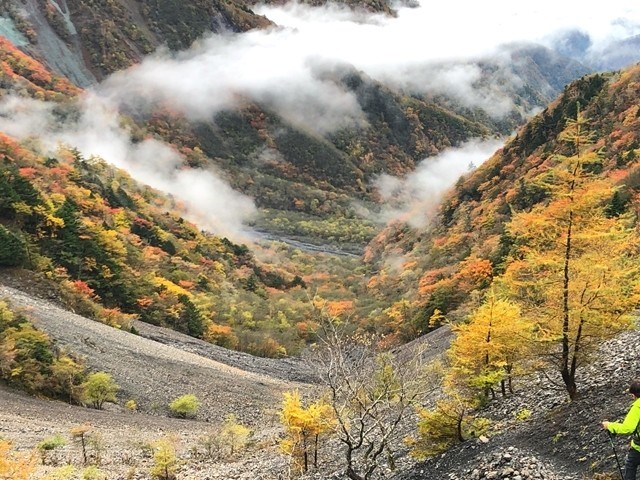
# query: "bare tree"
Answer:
x=372 y=394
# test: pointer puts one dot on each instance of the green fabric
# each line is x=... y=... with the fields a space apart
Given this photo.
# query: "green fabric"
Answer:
x=629 y=424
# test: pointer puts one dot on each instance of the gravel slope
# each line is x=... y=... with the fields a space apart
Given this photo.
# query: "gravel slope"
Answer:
x=563 y=439
x=560 y=441
x=154 y=373
x=152 y=368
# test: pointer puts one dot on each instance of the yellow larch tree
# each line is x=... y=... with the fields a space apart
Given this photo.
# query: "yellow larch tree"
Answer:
x=574 y=270
x=303 y=427
x=234 y=434
x=491 y=347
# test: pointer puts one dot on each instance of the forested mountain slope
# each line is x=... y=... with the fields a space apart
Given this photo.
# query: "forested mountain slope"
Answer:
x=467 y=243
x=107 y=238
x=304 y=180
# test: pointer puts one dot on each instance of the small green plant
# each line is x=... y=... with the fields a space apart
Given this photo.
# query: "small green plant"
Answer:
x=93 y=473
x=46 y=446
x=557 y=437
x=212 y=444
x=96 y=442
x=156 y=407
x=165 y=462
x=185 y=406
x=604 y=476
x=449 y=423
x=146 y=448
x=131 y=405
x=523 y=414
x=62 y=473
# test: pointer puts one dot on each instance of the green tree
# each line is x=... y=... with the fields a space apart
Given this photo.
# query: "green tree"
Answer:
x=13 y=252
x=185 y=406
x=67 y=247
x=32 y=358
x=191 y=318
x=99 y=388
x=66 y=375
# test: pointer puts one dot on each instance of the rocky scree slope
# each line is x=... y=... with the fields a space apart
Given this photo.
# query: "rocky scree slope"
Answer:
x=561 y=440
x=153 y=374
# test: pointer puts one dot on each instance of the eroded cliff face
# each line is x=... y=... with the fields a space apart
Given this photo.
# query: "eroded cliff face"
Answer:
x=87 y=40
x=62 y=54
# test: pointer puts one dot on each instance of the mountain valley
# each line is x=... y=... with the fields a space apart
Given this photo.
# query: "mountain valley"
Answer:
x=343 y=268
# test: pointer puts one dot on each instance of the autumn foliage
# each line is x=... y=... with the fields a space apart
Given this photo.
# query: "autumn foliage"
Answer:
x=304 y=427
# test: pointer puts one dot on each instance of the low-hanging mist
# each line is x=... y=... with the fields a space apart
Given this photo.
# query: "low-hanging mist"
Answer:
x=412 y=199
x=430 y=48
x=206 y=198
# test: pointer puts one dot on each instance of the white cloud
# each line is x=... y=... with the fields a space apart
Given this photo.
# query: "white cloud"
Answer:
x=223 y=71
x=289 y=69
x=209 y=201
x=413 y=198
x=283 y=66
x=437 y=31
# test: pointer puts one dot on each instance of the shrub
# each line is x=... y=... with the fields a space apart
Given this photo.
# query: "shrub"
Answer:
x=62 y=473
x=451 y=422
x=98 y=388
x=523 y=414
x=185 y=406
x=49 y=444
x=234 y=434
x=212 y=444
x=93 y=473
x=165 y=462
